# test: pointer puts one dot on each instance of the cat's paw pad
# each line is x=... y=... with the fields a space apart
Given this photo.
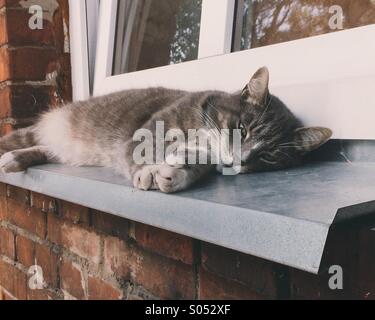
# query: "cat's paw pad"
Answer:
x=144 y=179
x=10 y=164
x=163 y=177
x=169 y=179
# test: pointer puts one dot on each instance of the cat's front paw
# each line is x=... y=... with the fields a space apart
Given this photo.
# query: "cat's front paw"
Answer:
x=144 y=178
x=169 y=179
x=163 y=177
x=9 y=163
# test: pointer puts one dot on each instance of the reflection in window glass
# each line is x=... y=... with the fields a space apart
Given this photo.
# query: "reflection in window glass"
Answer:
x=154 y=33
x=265 y=22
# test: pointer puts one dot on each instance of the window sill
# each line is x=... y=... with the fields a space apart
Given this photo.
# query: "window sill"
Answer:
x=283 y=216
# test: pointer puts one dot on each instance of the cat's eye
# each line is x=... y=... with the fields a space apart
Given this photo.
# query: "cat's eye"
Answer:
x=243 y=130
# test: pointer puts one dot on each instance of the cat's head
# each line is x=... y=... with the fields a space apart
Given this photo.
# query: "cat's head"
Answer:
x=272 y=137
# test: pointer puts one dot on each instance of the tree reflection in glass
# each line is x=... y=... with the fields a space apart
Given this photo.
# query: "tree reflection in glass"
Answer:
x=265 y=22
x=154 y=33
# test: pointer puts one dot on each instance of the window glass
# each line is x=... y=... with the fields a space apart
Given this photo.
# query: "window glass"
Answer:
x=154 y=33
x=265 y=22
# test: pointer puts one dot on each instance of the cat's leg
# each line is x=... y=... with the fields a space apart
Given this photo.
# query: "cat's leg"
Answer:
x=20 y=160
x=18 y=139
x=164 y=177
x=169 y=179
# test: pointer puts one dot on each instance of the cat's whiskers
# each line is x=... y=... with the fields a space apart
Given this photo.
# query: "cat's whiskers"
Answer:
x=265 y=110
x=291 y=143
x=285 y=154
x=214 y=130
x=290 y=147
x=215 y=133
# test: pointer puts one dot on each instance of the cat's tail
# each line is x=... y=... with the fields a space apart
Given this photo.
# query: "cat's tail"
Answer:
x=19 y=139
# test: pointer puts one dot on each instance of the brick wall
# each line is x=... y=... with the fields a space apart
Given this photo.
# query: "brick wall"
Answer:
x=34 y=64
x=86 y=254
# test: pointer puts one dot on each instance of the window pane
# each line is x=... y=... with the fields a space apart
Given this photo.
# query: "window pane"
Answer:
x=265 y=22
x=154 y=33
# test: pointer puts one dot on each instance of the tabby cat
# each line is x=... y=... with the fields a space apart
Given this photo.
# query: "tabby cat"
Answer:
x=99 y=132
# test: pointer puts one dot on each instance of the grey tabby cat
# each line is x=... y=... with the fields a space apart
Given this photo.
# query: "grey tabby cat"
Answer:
x=99 y=132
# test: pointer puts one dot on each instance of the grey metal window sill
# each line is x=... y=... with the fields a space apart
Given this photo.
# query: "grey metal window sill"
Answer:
x=283 y=216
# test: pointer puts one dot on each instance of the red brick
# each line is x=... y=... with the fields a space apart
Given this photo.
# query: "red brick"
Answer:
x=43 y=203
x=5 y=102
x=78 y=240
x=19 y=33
x=13 y=280
x=3 y=209
x=23 y=101
x=110 y=224
x=341 y=250
x=213 y=287
x=365 y=285
x=42 y=295
x=74 y=212
x=19 y=63
x=3 y=190
x=3 y=29
x=306 y=286
x=100 y=290
x=7 y=243
x=5 y=72
x=164 y=278
x=165 y=243
x=117 y=255
x=23 y=65
x=10 y=3
x=71 y=279
x=259 y=275
x=25 y=251
x=19 y=195
x=5 y=296
x=48 y=261
x=30 y=219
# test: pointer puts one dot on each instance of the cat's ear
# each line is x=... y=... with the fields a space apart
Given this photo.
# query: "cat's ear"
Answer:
x=257 y=89
x=310 y=139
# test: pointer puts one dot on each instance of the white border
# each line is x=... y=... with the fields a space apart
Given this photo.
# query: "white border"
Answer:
x=216 y=27
x=83 y=18
x=327 y=80
x=92 y=14
x=106 y=44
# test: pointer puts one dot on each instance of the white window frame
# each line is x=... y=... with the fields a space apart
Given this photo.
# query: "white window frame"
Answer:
x=215 y=39
x=326 y=80
x=83 y=36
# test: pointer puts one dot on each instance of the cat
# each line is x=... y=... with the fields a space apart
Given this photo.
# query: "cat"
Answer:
x=99 y=132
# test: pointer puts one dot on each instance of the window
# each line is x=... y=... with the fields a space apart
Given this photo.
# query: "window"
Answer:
x=325 y=75
x=169 y=28
x=262 y=23
x=83 y=35
x=142 y=43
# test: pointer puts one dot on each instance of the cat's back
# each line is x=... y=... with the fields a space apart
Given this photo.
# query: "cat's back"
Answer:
x=136 y=99
x=103 y=116
x=95 y=123
x=135 y=106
